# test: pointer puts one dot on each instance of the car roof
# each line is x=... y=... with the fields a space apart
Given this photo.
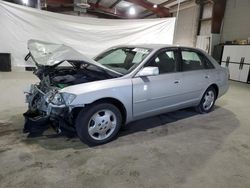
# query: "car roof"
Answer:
x=156 y=46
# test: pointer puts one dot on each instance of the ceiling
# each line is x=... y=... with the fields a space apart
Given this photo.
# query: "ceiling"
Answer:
x=117 y=8
x=109 y=8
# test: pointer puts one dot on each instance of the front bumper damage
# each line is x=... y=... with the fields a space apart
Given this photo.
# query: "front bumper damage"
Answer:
x=45 y=115
x=35 y=124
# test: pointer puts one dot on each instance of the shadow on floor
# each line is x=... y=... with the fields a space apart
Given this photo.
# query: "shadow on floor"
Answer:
x=218 y=123
x=221 y=121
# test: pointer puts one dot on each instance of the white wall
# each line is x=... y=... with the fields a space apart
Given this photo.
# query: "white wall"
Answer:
x=236 y=20
x=205 y=28
x=186 y=28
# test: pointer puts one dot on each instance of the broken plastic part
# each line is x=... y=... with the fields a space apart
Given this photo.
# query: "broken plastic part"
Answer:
x=35 y=124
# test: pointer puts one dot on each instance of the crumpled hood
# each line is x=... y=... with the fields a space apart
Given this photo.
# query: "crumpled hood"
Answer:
x=49 y=54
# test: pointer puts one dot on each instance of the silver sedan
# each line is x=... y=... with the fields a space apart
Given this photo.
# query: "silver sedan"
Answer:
x=125 y=83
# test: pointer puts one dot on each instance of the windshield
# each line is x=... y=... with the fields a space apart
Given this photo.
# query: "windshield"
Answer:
x=124 y=59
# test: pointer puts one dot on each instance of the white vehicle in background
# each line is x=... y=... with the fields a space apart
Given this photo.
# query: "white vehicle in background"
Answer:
x=96 y=97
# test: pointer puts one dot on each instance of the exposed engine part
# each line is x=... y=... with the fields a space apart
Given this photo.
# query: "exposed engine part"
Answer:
x=41 y=96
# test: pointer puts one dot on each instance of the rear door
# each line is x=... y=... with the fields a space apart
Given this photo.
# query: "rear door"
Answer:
x=196 y=73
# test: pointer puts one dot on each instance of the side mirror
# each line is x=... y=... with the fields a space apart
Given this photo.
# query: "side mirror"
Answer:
x=148 y=71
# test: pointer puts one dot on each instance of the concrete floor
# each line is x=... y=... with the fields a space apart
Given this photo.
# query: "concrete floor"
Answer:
x=174 y=150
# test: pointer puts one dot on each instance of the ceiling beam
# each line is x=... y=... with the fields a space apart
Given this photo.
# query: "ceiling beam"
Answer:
x=144 y=12
x=93 y=6
x=59 y=9
x=102 y=15
x=159 y=10
x=60 y=1
x=200 y=2
x=217 y=15
x=115 y=3
x=59 y=5
x=98 y=2
x=101 y=9
x=183 y=5
x=168 y=2
x=147 y=15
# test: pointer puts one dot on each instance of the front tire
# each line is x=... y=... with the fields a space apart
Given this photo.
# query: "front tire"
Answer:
x=98 y=123
x=207 y=102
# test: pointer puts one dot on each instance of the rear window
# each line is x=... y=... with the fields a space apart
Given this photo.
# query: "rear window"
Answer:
x=194 y=61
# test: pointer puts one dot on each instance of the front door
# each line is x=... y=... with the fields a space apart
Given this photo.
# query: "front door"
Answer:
x=155 y=94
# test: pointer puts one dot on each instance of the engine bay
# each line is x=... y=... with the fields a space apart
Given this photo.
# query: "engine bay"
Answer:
x=63 y=76
x=54 y=78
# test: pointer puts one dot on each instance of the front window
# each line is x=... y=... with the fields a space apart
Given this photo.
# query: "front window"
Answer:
x=165 y=61
x=124 y=59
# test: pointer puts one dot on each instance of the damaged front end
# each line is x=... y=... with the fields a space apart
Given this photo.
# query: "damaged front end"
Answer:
x=47 y=107
x=57 y=67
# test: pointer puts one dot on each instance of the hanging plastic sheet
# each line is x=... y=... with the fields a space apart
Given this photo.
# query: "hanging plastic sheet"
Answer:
x=89 y=36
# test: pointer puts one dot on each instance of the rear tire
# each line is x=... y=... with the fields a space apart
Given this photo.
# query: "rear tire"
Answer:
x=207 y=101
x=98 y=123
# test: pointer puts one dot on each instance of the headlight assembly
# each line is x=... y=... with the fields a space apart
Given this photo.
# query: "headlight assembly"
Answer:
x=68 y=98
x=57 y=100
x=61 y=98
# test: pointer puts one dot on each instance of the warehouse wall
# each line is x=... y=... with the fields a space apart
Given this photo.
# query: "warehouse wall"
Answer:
x=236 y=20
x=187 y=23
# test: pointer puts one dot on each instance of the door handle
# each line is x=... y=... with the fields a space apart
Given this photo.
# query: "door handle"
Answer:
x=242 y=66
x=241 y=63
x=227 y=61
x=177 y=81
x=206 y=76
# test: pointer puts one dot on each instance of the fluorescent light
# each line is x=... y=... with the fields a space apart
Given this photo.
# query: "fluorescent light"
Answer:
x=25 y=2
x=131 y=11
x=155 y=5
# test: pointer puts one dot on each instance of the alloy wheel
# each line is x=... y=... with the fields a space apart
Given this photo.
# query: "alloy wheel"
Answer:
x=102 y=124
x=208 y=100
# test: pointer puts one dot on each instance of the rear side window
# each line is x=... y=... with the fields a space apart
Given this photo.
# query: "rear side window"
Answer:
x=208 y=64
x=193 y=61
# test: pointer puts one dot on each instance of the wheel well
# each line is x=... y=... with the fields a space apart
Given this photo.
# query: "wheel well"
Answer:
x=216 y=89
x=113 y=101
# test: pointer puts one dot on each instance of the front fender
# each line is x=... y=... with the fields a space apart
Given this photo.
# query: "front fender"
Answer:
x=87 y=93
